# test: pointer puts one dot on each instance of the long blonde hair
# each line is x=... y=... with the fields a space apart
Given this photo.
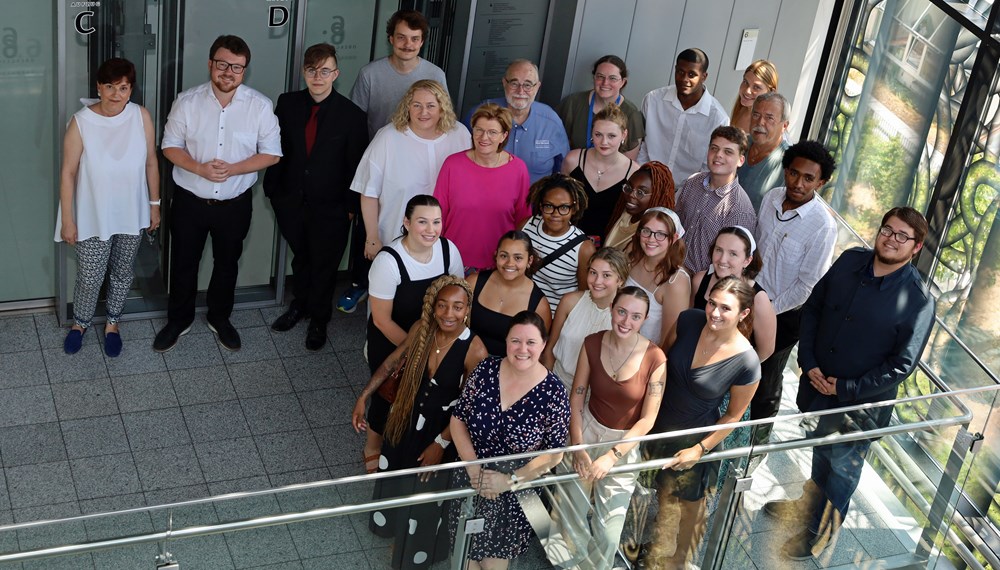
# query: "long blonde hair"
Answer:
x=416 y=359
x=763 y=70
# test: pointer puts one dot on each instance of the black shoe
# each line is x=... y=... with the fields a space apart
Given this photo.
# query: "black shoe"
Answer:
x=288 y=320
x=803 y=546
x=226 y=333
x=316 y=337
x=168 y=336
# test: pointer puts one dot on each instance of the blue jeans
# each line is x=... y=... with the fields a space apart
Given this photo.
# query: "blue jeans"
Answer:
x=836 y=469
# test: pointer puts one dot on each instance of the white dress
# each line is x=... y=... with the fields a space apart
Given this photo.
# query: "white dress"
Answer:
x=585 y=319
x=112 y=196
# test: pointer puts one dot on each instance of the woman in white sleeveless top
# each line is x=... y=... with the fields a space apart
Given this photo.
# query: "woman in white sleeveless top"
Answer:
x=109 y=192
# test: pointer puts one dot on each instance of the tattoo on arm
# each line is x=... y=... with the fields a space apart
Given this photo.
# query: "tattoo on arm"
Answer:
x=656 y=389
x=580 y=390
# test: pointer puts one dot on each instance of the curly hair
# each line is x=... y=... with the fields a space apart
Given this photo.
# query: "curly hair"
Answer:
x=814 y=151
x=416 y=358
x=674 y=258
x=571 y=185
x=401 y=118
x=662 y=191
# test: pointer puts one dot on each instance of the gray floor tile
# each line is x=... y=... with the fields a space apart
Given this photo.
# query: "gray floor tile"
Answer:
x=260 y=546
x=877 y=537
x=17 y=334
x=302 y=500
x=28 y=405
x=116 y=526
x=144 y=392
x=348 y=334
x=764 y=549
x=355 y=367
x=328 y=407
x=340 y=444
x=84 y=399
x=57 y=534
x=34 y=443
x=137 y=357
x=105 y=476
x=135 y=330
x=219 y=420
x=262 y=378
x=271 y=414
x=256 y=345
x=289 y=451
x=293 y=342
x=8 y=539
x=4 y=496
x=94 y=436
x=19 y=369
x=183 y=516
x=229 y=459
x=84 y=365
x=193 y=351
x=168 y=467
x=75 y=562
x=355 y=560
x=315 y=371
x=126 y=558
x=51 y=335
x=246 y=319
x=40 y=484
x=379 y=557
x=153 y=429
x=324 y=537
x=293 y=565
x=203 y=552
x=243 y=508
x=202 y=385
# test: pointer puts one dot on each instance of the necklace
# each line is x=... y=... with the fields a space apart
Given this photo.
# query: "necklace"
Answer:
x=438 y=347
x=600 y=173
x=496 y=161
x=614 y=375
x=426 y=258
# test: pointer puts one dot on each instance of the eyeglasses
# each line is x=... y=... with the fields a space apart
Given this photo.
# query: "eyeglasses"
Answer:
x=478 y=132
x=225 y=65
x=324 y=72
x=517 y=85
x=601 y=78
x=658 y=236
x=563 y=209
x=900 y=237
x=637 y=192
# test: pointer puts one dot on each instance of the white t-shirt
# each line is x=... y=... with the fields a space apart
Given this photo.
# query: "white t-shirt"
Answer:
x=400 y=165
x=384 y=277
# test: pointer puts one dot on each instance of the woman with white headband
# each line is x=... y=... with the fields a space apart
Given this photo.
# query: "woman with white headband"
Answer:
x=734 y=252
x=657 y=257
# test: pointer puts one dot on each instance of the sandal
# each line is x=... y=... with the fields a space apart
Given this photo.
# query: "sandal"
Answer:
x=366 y=459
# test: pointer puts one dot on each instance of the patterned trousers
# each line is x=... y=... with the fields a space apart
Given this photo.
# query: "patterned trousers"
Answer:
x=95 y=257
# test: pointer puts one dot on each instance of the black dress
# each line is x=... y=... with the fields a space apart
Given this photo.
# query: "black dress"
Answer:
x=600 y=205
x=418 y=542
x=492 y=326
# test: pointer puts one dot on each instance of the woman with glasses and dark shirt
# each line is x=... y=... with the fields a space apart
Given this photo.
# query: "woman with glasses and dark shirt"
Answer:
x=578 y=109
x=651 y=186
x=602 y=170
x=483 y=191
x=657 y=258
x=562 y=251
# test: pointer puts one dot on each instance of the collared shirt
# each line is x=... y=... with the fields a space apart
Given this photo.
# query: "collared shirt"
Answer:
x=540 y=141
x=200 y=125
x=704 y=211
x=867 y=332
x=677 y=137
x=758 y=179
x=796 y=247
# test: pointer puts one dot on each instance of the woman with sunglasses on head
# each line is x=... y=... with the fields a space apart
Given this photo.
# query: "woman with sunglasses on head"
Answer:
x=438 y=354
x=651 y=186
x=499 y=294
x=578 y=110
x=602 y=170
x=562 y=250
x=581 y=313
x=483 y=190
x=657 y=257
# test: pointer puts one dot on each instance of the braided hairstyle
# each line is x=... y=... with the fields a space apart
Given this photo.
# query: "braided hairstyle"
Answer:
x=416 y=359
x=662 y=191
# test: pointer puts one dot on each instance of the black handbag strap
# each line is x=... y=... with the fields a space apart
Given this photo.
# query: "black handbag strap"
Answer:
x=561 y=251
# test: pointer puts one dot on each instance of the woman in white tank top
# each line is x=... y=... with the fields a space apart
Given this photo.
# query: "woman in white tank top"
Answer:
x=657 y=255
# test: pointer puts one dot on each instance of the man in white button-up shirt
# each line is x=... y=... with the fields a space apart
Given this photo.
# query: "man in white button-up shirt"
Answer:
x=218 y=135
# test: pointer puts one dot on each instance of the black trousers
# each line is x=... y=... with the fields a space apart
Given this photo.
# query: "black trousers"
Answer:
x=193 y=220
x=317 y=235
x=360 y=265
x=767 y=399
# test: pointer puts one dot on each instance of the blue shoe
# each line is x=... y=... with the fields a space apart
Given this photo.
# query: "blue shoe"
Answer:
x=74 y=341
x=349 y=300
x=112 y=344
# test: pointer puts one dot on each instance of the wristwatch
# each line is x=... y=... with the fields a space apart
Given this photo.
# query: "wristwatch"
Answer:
x=444 y=443
x=514 y=479
x=618 y=454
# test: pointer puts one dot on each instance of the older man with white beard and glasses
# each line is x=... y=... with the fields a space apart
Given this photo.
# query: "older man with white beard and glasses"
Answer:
x=763 y=171
x=538 y=137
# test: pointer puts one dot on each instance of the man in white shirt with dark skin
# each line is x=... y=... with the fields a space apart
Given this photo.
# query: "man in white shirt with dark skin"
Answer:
x=218 y=135
x=377 y=91
x=681 y=117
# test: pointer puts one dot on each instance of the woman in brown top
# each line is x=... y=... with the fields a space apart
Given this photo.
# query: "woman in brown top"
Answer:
x=624 y=373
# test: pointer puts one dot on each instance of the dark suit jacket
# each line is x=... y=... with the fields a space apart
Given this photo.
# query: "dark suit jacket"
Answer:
x=323 y=178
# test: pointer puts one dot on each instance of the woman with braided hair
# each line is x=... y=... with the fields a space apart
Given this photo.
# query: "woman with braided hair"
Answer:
x=651 y=186
x=439 y=351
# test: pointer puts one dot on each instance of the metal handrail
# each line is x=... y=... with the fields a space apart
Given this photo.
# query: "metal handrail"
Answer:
x=316 y=514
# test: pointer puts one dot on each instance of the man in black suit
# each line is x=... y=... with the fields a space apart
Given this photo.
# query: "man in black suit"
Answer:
x=323 y=135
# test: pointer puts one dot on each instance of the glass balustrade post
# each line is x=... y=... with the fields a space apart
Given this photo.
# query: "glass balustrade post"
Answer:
x=945 y=497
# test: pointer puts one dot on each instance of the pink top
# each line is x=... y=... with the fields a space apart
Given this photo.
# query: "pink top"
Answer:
x=479 y=204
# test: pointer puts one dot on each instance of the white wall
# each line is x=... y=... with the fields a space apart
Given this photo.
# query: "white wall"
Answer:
x=650 y=33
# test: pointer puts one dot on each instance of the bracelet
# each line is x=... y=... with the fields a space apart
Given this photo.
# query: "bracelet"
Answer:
x=704 y=449
x=154 y=202
x=444 y=443
x=618 y=454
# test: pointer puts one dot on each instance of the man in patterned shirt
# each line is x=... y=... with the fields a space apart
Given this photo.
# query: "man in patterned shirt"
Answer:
x=710 y=201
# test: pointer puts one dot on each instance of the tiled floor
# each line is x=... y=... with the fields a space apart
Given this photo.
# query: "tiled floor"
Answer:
x=83 y=434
